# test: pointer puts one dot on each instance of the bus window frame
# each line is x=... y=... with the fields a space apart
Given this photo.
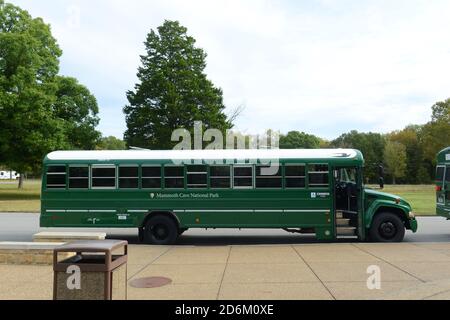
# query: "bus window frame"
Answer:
x=103 y=166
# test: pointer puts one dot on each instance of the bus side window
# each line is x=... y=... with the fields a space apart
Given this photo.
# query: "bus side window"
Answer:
x=151 y=177
x=79 y=177
x=243 y=177
x=197 y=176
x=103 y=177
x=173 y=177
x=220 y=177
x=264 y=180
x=56 y=177
x=129 y=177
x=447 y=174
x=318 y=175
x=295 y=176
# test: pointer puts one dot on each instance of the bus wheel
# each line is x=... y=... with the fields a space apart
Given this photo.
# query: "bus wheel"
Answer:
x=387 y=227
x=160 y=230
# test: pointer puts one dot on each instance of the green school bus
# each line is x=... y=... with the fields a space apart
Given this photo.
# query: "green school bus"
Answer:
x=443 y=183
x=164 y=193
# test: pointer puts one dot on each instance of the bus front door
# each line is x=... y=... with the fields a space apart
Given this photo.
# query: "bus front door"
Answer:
x=347 y=202
x=447 y=187
x=441 y=197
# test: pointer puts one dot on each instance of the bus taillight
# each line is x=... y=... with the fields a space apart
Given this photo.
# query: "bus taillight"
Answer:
x=438 y=188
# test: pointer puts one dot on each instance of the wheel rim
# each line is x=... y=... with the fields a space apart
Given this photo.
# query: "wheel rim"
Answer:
x=160 y=232
x=387 y=230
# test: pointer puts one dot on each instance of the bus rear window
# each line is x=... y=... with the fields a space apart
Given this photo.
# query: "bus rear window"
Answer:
x=440 y=173
x=447 y=174
x=56 y=177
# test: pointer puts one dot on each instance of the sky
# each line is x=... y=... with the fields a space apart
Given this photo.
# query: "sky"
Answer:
x=320 y=66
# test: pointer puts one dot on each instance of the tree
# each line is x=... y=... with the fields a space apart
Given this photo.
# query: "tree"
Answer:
x=111 y=143
x=28 y=66
x=370 y=144
x=39 y=110
x=441 y=111
x=173 y=90
x=435 y=135
x=299 y=140
x=395 y=159
x=78 y=109
x=415 y=168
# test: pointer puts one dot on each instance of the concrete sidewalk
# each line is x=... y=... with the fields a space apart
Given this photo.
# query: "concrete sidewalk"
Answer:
x=297 y=271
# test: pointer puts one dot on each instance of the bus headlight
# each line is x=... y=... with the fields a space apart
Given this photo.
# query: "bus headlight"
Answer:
x=411 y=215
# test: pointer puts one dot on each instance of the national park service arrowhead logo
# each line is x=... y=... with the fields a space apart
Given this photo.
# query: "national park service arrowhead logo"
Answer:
x=152 y=195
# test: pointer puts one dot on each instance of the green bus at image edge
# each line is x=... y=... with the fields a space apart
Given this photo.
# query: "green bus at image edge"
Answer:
x=164 y=193
x=443 y=183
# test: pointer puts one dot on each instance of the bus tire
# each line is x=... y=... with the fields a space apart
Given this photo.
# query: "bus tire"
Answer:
x=387 y=227
x=160 y=230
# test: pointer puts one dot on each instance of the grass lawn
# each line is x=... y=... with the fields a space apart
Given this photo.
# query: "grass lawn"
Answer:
x=15 y=200
x=421 y=197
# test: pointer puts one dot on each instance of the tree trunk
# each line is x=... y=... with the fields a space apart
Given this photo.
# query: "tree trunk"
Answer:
x=393 y=180
x=21 y=181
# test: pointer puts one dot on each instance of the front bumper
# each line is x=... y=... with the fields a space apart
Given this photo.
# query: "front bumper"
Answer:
x=413 y=225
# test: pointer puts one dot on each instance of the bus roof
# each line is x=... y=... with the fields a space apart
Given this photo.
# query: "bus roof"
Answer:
x=444 y=155
x=265 y=154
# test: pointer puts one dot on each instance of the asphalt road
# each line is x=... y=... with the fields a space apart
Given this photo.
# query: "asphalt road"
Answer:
x=22 y=226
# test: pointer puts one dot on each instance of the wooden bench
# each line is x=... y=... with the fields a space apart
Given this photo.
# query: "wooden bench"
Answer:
x=67 y=236
x=40 y=253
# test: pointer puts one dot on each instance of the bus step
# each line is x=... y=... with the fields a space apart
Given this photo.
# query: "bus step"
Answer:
x=347 y=237
x=342 y=222
x=339 y=214
x=345 y=231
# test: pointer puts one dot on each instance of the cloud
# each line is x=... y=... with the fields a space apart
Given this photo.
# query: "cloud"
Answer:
x=324 y=67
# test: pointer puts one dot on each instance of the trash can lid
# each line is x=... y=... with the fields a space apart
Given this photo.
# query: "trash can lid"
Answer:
x=92 y=246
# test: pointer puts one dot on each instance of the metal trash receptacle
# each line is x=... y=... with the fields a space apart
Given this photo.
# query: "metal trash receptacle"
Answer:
x=94 y=272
